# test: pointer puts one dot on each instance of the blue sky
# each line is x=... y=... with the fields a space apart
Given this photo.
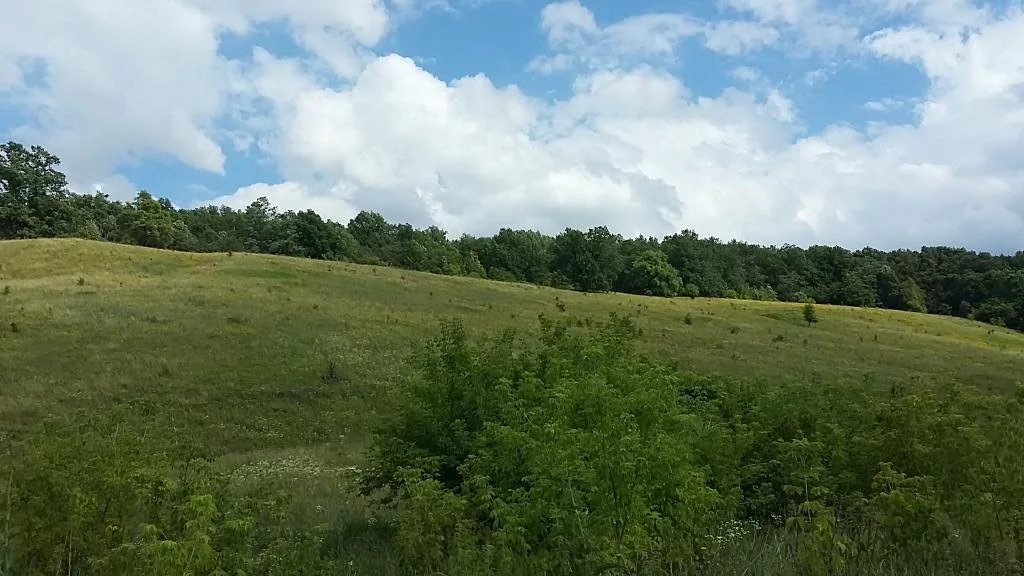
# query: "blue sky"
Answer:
x=882 y=122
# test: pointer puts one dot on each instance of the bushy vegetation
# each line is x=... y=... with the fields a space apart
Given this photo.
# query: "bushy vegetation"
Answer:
x=35 y=202
x=94 y=495
x=567 y=452
x=575 y=454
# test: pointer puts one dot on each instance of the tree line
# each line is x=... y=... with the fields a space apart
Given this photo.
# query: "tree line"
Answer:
x=35 y=202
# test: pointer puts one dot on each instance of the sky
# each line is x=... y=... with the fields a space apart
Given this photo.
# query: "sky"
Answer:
x=883 y=123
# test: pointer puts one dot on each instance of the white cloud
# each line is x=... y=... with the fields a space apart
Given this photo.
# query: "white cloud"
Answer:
x=650 y=34
x=809 y=25
x=631 y=146
x=788 y=11
x=366 y=21
x=578 y=39
x=568 y=22
x=121 y=79
x=551 y=64
x=10 y=75
x=115 y=186
x=884 y=105
x=290 y=196
x=635 y=149
x=737 y=37
x=747 y=74
x=816 y=77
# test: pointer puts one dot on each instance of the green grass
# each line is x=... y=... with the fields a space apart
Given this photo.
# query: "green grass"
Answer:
x=268 y=359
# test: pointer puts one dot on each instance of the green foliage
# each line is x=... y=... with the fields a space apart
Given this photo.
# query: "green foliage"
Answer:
x=763 y=293
x=371 y=230
x=993 y=311
x=154 y=223
x=34 y=199
x=911 y=297
x=651 y=274
x=576 y=454
x=509 y=451
x=691 y=291
x=501 y=275
x=590 y=260
x=94 y=497
x=523 y=255
x=472 y=266
x=810 y=313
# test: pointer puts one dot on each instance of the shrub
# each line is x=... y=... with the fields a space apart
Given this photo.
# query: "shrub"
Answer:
x=93 y=490
x=576 y=454
x=810 y=314
x=516 y=458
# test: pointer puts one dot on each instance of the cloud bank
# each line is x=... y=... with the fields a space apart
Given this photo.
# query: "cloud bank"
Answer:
x=630 y=144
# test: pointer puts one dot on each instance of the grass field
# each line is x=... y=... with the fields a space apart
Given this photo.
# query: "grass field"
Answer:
x=237 y=347
x=279 y=365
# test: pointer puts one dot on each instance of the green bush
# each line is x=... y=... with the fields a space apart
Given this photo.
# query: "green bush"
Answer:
x=809 y=313
x=691 y=291
x=511 y=458
x=575 y=454
x=93 y=496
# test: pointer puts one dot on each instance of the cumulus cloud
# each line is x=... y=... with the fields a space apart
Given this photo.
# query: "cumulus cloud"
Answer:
x=630 y=145
x=467 y=155
x=329 y=204
x=631 y=149
x=122 y=80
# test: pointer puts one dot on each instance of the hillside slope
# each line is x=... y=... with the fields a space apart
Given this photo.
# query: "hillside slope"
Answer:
x=99 y=324
x=279 y=367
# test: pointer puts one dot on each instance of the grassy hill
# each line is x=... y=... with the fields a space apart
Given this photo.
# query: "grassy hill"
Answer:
x=236 y=347
x=280 y=365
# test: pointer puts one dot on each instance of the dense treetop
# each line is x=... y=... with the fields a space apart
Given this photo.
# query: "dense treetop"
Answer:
x=35 y=202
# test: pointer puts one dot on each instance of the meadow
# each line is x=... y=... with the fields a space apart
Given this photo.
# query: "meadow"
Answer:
x=278 y=368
